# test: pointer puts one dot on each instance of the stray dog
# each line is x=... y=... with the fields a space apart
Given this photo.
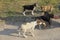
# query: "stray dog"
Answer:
x=28 y=26
x=29 y=7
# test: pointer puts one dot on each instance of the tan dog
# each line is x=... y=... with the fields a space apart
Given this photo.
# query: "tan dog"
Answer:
x=39 y=22
x=47 y=8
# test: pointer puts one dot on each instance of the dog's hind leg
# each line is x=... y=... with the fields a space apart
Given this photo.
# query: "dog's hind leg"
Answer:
x=19 y=31
x=24 y=34
x=24 y=13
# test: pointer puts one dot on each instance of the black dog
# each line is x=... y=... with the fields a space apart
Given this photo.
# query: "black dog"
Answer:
x=46 y=17
x=29 y=7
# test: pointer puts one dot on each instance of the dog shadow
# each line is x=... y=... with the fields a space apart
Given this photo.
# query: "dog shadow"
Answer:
x=55 y=24
x=18 y=21
x=9 y=32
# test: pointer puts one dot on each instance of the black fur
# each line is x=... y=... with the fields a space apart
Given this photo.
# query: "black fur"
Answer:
x=46 y=17
x=29 y=7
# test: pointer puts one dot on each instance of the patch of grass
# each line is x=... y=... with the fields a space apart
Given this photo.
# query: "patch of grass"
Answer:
x=15 y=6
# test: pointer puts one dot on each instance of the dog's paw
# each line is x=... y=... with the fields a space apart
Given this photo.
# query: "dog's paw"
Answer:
x=24 y=36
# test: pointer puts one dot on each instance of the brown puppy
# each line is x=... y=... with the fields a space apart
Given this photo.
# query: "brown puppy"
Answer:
x=40 y=21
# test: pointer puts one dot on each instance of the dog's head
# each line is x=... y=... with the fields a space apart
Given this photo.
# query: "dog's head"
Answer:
x=51 y=15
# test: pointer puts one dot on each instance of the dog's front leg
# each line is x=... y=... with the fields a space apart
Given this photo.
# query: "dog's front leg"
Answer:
x=32 y=12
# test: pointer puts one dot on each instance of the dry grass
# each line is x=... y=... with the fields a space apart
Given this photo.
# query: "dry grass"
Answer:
x=14 y=6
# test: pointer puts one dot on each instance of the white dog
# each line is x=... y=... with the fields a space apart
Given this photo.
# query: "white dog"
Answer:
x=28 y=26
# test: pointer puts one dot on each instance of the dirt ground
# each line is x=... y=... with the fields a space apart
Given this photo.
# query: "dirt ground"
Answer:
x=9 y=32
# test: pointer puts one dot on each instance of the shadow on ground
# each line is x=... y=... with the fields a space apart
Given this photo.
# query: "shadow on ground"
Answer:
x=9 y=32
x=18 y=21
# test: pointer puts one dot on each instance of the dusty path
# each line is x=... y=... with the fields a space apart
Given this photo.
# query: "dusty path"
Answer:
x=9 y=32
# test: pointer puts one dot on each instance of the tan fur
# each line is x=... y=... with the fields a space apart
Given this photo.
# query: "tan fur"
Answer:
x=47 y=8
x=39 y=22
